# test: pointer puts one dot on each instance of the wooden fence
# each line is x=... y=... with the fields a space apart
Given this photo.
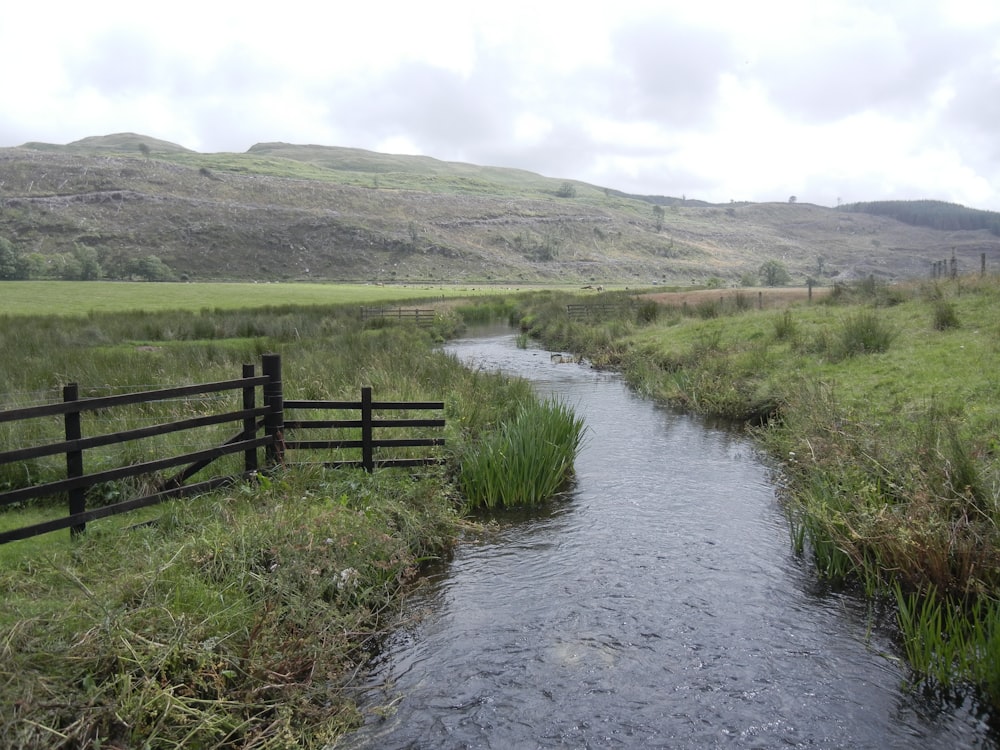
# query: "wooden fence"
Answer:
x=367 y=424
x=253 y=417
x=415 y=315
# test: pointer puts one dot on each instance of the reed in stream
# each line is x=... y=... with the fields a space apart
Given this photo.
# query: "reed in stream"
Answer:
x=526 y=460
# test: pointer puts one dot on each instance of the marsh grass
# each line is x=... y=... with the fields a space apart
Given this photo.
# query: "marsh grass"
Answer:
x=525 y=461
x=949 y=641
x=885 y=430
x=236 y=619
x=230 y=623
x=785 y=327
x=945 y=315
x=862 y=332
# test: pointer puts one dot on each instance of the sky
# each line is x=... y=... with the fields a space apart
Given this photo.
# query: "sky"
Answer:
x=830 y=102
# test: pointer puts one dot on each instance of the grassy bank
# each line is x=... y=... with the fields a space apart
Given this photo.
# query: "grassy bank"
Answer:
x=883 y=405
x=236 y=619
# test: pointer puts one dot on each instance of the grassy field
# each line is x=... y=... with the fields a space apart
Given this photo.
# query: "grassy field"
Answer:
x=83 y=297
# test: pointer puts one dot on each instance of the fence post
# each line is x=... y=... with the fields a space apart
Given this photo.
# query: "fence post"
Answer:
x=249 y=422
x=367 y=451
x=74 y=458
x=274 y=420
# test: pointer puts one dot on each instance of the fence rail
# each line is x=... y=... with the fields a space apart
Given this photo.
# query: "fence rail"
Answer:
x=597 y=310
x=367 y=424
x=420 y=317
x=252 y=417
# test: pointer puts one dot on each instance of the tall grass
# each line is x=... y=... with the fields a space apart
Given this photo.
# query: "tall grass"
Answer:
x=948 y=641
x=236 y=619
x=233 y=622
x=890 y=462
x=525 y=461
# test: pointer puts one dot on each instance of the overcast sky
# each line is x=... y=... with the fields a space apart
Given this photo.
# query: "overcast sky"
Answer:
x=828 y=101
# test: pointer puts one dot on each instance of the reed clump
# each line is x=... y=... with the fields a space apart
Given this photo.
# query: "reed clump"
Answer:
x=525 y=461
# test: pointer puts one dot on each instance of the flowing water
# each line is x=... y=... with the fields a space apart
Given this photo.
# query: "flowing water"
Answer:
x=658 y=606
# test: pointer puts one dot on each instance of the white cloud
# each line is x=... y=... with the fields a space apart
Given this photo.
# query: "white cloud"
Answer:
x=731 y=100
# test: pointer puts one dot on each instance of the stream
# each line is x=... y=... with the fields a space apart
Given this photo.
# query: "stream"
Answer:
x=658 y=606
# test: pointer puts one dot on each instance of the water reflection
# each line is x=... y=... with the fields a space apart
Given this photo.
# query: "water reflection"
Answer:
x=659 y=606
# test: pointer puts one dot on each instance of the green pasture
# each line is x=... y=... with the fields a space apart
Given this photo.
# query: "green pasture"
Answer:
x=84 y=297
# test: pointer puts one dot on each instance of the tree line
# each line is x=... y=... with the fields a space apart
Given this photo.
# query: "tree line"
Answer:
x=931 y=214
x=82 y=263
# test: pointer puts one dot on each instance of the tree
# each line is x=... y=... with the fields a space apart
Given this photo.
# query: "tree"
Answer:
x=66 y=267
x=774 y=273
x=566 y=190
x=792 y=199
x=34 y=266
x=8 y=260
x=658 y=217
x=90 y=266
x=152 y=268
x=144 y=149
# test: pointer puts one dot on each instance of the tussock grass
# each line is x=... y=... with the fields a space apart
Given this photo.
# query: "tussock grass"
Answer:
x=237 y=619
x=526 y=461
x=232 y=622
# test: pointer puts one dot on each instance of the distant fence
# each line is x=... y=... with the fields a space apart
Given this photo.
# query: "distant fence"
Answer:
x=268 y=417
x=594 y=310
x=415 y=315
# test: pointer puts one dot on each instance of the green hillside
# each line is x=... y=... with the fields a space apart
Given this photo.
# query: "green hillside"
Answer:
x=309 y=212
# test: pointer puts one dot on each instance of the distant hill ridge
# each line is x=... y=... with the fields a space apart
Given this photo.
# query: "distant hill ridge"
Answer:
x=932 y=214
x=286 y=211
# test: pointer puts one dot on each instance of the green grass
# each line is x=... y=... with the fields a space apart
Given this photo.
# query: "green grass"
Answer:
x=231 y=622
x=239 y=618
x=83 y=297
x=883 y=406
x=525 y=461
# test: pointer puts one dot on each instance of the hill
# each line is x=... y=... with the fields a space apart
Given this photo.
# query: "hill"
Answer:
x=282 y=211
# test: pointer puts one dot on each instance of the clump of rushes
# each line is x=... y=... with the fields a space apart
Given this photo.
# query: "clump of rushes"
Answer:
x=947 y=640
x=525 y=461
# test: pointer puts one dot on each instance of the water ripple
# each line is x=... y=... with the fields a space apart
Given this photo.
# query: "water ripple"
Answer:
x=658 y=607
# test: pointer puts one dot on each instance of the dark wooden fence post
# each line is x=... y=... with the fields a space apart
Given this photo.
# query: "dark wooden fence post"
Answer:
x=249 y=423
x=74 y=458
x=274 y=420
x=982 y=264
x=367 y=451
